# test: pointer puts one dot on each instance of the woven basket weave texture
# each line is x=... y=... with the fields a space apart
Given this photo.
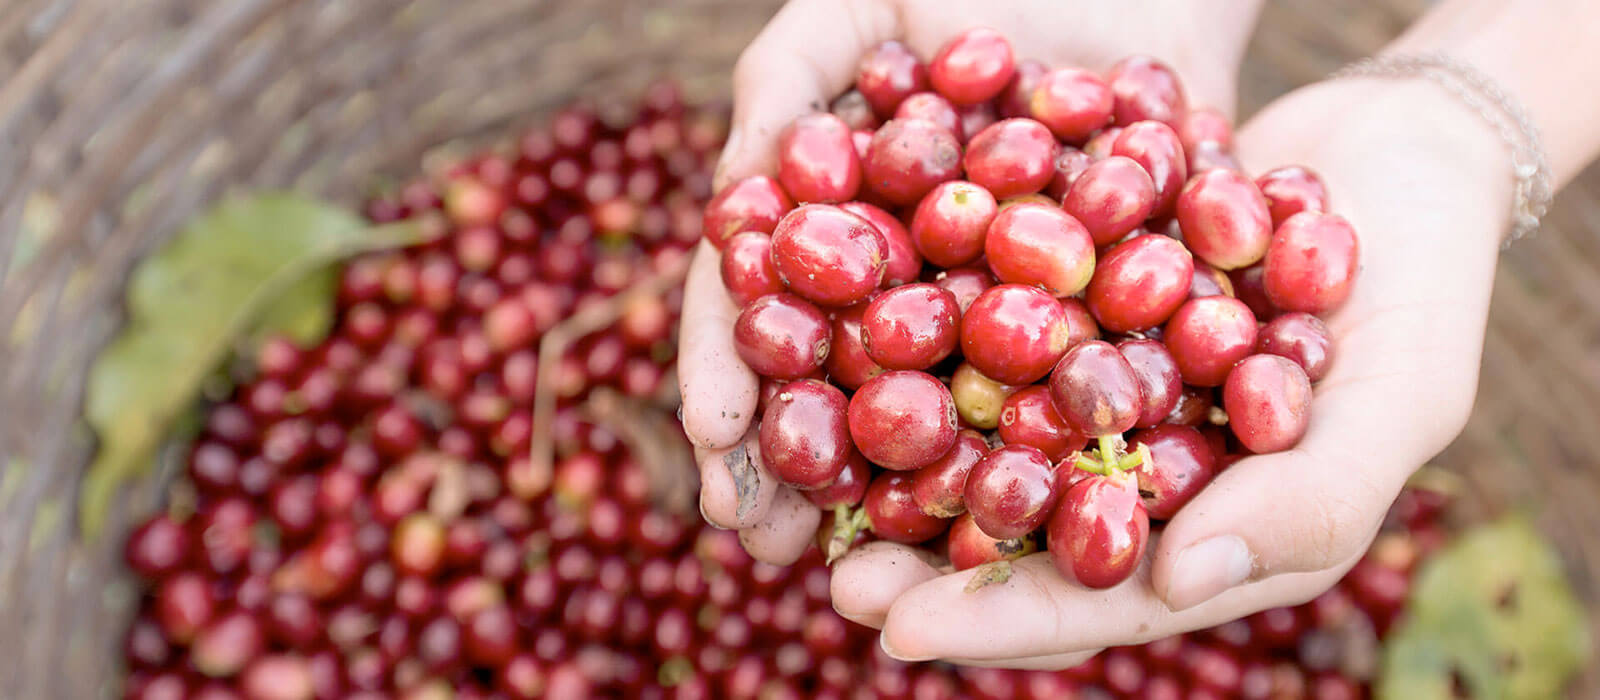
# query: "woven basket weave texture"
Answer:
x=119 y=119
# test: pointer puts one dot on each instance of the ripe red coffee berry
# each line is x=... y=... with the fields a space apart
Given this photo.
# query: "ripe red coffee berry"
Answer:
x=1145 y=88
x=804 y=437
x=908 y=157
x=1268 y=400
x=782 y=336
x=1096 y=391
x=828 y=255
x=889 y=73
x=1029 y=418
x=932 y=107
x=1249 y=286
x=1111 y=198
x=817 y=160
x=1311 y=263
x=1011 y=158
x=973 y=66
x=893 y=515
x=1158 y=378
x=1300 y=337
x=847 y=488
x=1070 y=163
x=1290 y=190
x=979 y=399
x=1016 y=100
x=1140 y=283
x=1072 y=102
x=1098 y=532
x=1180 y=465
x=975 y=118
x=1010 y=491
x=903 y=419
x=939 y=488
x=752 y=204
x=966 y=283
x=904 y=261
x=1224 y=219
x=1207 y=336
x=911 y=327
x=1040 y=245
x=970 y=547
x=848 y=363
x=1155 y=147
x=747 y=269
x=1205 y=125
x=950 y=224
x=1014 y=334
x=1209 y=282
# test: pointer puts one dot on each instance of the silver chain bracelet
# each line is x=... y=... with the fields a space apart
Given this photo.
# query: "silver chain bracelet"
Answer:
x=1478 y=91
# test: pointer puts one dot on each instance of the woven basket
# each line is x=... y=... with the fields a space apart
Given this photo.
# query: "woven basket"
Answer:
x=119 y=119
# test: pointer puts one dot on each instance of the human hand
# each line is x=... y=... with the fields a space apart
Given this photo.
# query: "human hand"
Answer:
x=1429 y=198
x=806 y=56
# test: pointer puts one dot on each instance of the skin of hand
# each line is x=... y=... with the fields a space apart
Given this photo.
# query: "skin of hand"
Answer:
x=1427 y=185
x=803 y=58
x=1274 y=529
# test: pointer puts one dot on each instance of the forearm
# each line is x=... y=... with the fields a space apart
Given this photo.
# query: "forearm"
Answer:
x=1543 y=53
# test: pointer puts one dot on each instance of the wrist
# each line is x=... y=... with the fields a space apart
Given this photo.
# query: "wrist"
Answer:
x=1540 y=54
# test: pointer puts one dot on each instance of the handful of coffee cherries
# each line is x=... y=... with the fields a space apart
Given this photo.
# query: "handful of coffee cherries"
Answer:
x=999 y=307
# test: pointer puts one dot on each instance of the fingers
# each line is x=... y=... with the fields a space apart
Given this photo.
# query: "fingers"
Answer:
x=1052 y=662
x=787 y=531
x=1039 y=614
x=719 y=391
x=868 y=579
x=804 y=56
x=736 y=490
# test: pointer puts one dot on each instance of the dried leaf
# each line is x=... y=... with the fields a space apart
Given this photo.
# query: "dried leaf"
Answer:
x=1493 y=614
x=992 y=572
x=252 y=265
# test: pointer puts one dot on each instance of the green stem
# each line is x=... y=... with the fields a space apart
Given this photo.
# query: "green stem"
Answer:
x=1136 y=458
x=1089 y=464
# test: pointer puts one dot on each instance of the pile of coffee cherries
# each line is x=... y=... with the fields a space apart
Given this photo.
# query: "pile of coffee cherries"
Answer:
x=994 y=299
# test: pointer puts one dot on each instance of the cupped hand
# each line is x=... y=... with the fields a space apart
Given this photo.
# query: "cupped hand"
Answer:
x=1429 y=199
x=806 y=56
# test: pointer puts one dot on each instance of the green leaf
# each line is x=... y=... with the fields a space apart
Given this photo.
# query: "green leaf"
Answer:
x=249 y=267
x=1493 y=614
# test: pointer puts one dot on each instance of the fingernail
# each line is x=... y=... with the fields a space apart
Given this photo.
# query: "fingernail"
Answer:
x=1206 y=569
x=883 y=641
x=707 y=518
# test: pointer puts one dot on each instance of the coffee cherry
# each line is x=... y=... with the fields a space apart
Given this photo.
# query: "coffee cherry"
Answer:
x=887 y=74
x=1096 y=391
x=1098 y=532
x=908 y=157
x=1311 y=264
x=1014 y=334
x=951 y=223
x=892 y=513
x=902 y=420
x=752 y=204
x=1010 y=492
x=782 y=336
x=828 y=255
x=1268 y=400
x=911 y=327
x=816 y=160
x=804 y=434
x=974 y=66
x=1040 y=245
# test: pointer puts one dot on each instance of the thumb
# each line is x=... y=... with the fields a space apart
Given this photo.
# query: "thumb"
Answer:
x=804 y=56
x=1375 y=419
